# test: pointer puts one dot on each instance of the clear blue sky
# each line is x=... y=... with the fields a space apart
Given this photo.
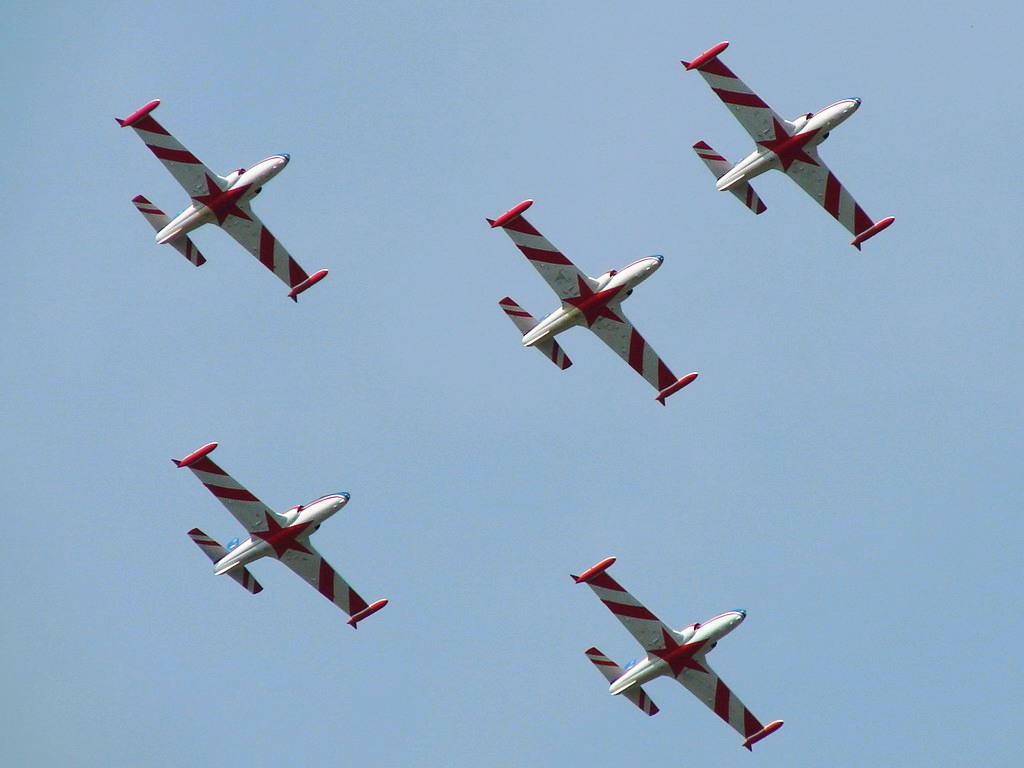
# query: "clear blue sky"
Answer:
x=847 y=468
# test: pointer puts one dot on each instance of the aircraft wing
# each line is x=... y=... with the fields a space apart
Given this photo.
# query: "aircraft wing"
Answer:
x=185 y=167
x=249 y=511
x=759 y=119
x=252 y=235
x=820 y=183
x=615 y=330
x=717 y=696
x=306 y=561
x=644 y=626
x=560 y=273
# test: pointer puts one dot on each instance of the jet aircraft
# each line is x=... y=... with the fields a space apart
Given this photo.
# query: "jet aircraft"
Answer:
x=284 y=536
x=680 y=654
x=790 y=146
x=592 y=302
x=223 y=200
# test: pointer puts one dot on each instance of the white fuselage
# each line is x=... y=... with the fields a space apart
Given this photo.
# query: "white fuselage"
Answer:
x=612 y=288
x=697 y=638
x=242 y=186
x=301 y=522
x=811 y=130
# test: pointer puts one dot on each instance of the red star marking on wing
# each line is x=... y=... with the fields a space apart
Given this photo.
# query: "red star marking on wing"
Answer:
x=283 y=539
x=679 y=657
x=594 y=305
x=222 y=203
x=789 y=148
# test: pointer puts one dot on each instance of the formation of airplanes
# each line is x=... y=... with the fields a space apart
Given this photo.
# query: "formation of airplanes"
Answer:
x=592 y=302
x=281 y=535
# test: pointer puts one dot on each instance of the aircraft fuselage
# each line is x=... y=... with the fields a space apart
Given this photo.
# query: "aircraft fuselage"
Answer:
x=217 y=204
x=612 y=288
x=696 y=638
x=778 y=152
x=301 y=522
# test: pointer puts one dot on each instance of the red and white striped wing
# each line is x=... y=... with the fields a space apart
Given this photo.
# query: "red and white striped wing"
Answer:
x=750 y=109
x=560 y=273
x=643 y=625
x=709 y=688
x=246 y=508
x=628 y=344
x=821 y=184
x=319 y=574
x=252 y=235
x=185 y=167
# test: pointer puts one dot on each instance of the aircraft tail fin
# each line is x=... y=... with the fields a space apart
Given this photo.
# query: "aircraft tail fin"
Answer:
x=719 y=166
x=215 y=552
x=613 y=672
x=525 y=322
x=158 y=220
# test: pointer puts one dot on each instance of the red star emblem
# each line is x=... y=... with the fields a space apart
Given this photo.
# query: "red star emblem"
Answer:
x=679 y=657
x=594 y=305
x=222 y=203
x=789 y=148
x=283 y=539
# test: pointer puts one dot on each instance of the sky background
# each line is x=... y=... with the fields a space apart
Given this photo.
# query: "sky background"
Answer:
x=847 y=467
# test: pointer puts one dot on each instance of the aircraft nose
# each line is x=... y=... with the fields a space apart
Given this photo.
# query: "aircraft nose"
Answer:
x=345 y=495
x=742 y=612
x=285 y=156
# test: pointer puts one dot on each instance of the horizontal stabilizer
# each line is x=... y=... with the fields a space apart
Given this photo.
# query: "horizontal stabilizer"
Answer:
x=215 y=552
x=525 y=322
x=613 y=672
x=158 y=220
x=719 y=166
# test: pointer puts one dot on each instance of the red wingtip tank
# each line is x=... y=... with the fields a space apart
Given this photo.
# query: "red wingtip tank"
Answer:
x=871 y=231
x=510 y=214
x=671 y=389
x=593 y=571
x=366 y=612
x=138 y=114
x=707 y=56
x=195 y=456
x=765 y=732
x=306 y=284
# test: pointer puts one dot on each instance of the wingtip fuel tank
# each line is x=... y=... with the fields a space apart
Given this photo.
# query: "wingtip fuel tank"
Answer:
x=593 y=571
x=707 y=56
x=675 y=387
x=306 y=284
x=510 y=214
x=138 y=114
x=195 y=456
x=871 y=231
x=366 y=612
x=768 y=730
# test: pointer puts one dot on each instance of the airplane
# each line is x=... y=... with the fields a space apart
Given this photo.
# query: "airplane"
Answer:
x=592 y=302
x=790 y=146
x=680 y=654
x=284 y=536
x=222 y=200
